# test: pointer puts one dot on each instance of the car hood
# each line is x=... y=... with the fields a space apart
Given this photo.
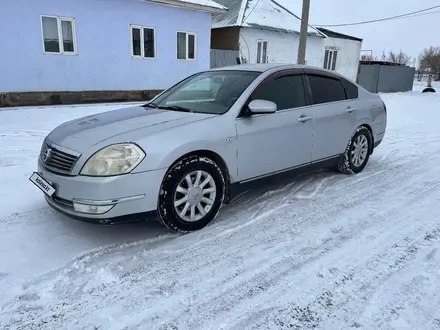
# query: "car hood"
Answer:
x=85 y=132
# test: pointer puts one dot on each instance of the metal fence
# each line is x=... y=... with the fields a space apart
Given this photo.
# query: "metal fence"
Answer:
x=379 y=78
x=221 y=57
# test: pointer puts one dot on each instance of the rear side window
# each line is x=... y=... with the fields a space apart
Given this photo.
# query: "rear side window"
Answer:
x=286 y=92
x=352 y=90
x=325 y=89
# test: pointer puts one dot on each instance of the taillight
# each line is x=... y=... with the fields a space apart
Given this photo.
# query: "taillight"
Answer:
x=384 y=106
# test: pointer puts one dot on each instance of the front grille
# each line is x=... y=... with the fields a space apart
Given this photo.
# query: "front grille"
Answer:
x=57 y=160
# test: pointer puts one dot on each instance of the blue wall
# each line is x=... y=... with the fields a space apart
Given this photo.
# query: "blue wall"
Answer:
x=103 y=36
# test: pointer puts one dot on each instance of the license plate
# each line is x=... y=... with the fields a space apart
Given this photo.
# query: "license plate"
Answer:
x=44 y=186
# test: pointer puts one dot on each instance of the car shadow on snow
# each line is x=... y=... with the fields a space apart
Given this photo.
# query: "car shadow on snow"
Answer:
x=246 y=203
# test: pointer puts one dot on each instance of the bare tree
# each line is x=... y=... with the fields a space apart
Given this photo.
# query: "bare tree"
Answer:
x=369 y=58
x=429 y=60
x=400 y=57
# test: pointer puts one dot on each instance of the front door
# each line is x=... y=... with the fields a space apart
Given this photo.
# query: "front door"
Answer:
x=268 y=143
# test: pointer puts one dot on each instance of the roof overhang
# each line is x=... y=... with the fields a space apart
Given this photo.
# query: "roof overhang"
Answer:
x=333 y=34
x=215 y=26
x=190 y=5
x=317 y=33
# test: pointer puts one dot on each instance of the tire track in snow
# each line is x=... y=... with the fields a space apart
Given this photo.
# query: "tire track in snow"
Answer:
x=25 y=133
x=412 y=292
x=193 y=252
x=235 y=227
x=20 y=217
x=268 y=277
x=347 y=289
x=391 y=263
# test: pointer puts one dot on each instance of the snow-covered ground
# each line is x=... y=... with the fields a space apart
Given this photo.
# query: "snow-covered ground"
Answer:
x=325 y=251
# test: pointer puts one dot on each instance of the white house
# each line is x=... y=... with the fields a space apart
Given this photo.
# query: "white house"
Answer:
x=265 y=31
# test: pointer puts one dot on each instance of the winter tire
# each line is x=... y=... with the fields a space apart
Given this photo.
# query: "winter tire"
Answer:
x=192 y=193
x=428 y=90
x=357 y=153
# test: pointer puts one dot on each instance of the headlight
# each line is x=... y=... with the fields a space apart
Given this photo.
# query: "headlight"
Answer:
x=113 y=160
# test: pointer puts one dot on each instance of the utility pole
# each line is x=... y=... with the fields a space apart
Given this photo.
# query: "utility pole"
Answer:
x=303 y=33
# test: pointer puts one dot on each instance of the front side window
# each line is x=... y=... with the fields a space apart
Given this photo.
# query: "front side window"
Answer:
x=326 y=89
x=58 y=35
x=261 y=51
x=143 y=42
x=330 y=58
x=186 y=46
x=211 y=92
x=286 y=92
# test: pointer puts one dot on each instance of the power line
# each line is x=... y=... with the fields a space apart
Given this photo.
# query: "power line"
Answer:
x=407 y=15
x=256 y=3
x=428 y=13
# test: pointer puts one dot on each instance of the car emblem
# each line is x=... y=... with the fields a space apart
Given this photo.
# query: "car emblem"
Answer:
x=47 y=154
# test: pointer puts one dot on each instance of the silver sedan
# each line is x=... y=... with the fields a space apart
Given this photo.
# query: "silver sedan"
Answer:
x=180 y=155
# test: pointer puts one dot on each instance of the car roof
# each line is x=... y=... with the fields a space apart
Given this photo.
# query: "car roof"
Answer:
x=261 y=67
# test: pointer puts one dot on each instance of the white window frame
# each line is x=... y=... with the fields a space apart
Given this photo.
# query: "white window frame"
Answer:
x=187 y=34
x=142 y=27
x=60 y=35
x=331 y=58
x=260 y=43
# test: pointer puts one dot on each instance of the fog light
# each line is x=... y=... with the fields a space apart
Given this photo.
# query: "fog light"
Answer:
x=92 y=209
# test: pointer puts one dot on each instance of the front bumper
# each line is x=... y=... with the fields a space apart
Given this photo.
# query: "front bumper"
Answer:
x=129 y=195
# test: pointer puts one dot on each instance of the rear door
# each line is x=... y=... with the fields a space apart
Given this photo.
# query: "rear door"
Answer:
x=333 y=112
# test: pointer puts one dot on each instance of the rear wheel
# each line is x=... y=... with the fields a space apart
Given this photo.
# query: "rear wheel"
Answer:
x=357 y=153
x=192 y=193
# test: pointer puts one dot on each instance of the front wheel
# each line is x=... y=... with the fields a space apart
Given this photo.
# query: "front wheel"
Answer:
x=192 y=193
x=358 y=152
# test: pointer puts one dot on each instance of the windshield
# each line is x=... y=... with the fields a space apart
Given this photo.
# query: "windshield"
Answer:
x=211 y=92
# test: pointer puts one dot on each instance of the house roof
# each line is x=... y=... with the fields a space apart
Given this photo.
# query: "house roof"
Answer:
x=264 y=14
x=202 y=5
x=333 y=34
x=389 y=63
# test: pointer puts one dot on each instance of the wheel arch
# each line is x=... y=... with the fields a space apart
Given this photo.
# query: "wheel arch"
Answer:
x=216 y=158
x=370 y=129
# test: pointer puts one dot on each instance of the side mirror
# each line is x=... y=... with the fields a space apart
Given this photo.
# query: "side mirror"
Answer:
x=262 y=106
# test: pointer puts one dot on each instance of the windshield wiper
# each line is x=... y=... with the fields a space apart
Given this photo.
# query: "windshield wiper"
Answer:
x=150 y=105
x=176 y=108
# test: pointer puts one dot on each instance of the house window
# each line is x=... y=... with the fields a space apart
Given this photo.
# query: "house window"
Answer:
x=143 y=42
x=330 y=59
x=261 y=51
x=186 y=46
x=58 y=35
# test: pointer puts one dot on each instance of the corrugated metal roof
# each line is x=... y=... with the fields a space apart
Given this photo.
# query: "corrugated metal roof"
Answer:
x=264 y=14
x=230 y=18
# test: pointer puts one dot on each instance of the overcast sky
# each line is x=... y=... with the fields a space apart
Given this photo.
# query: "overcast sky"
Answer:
x=409 y=34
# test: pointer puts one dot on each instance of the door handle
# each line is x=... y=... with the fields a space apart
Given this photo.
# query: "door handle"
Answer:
x=303 y=119
x=350 y=109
